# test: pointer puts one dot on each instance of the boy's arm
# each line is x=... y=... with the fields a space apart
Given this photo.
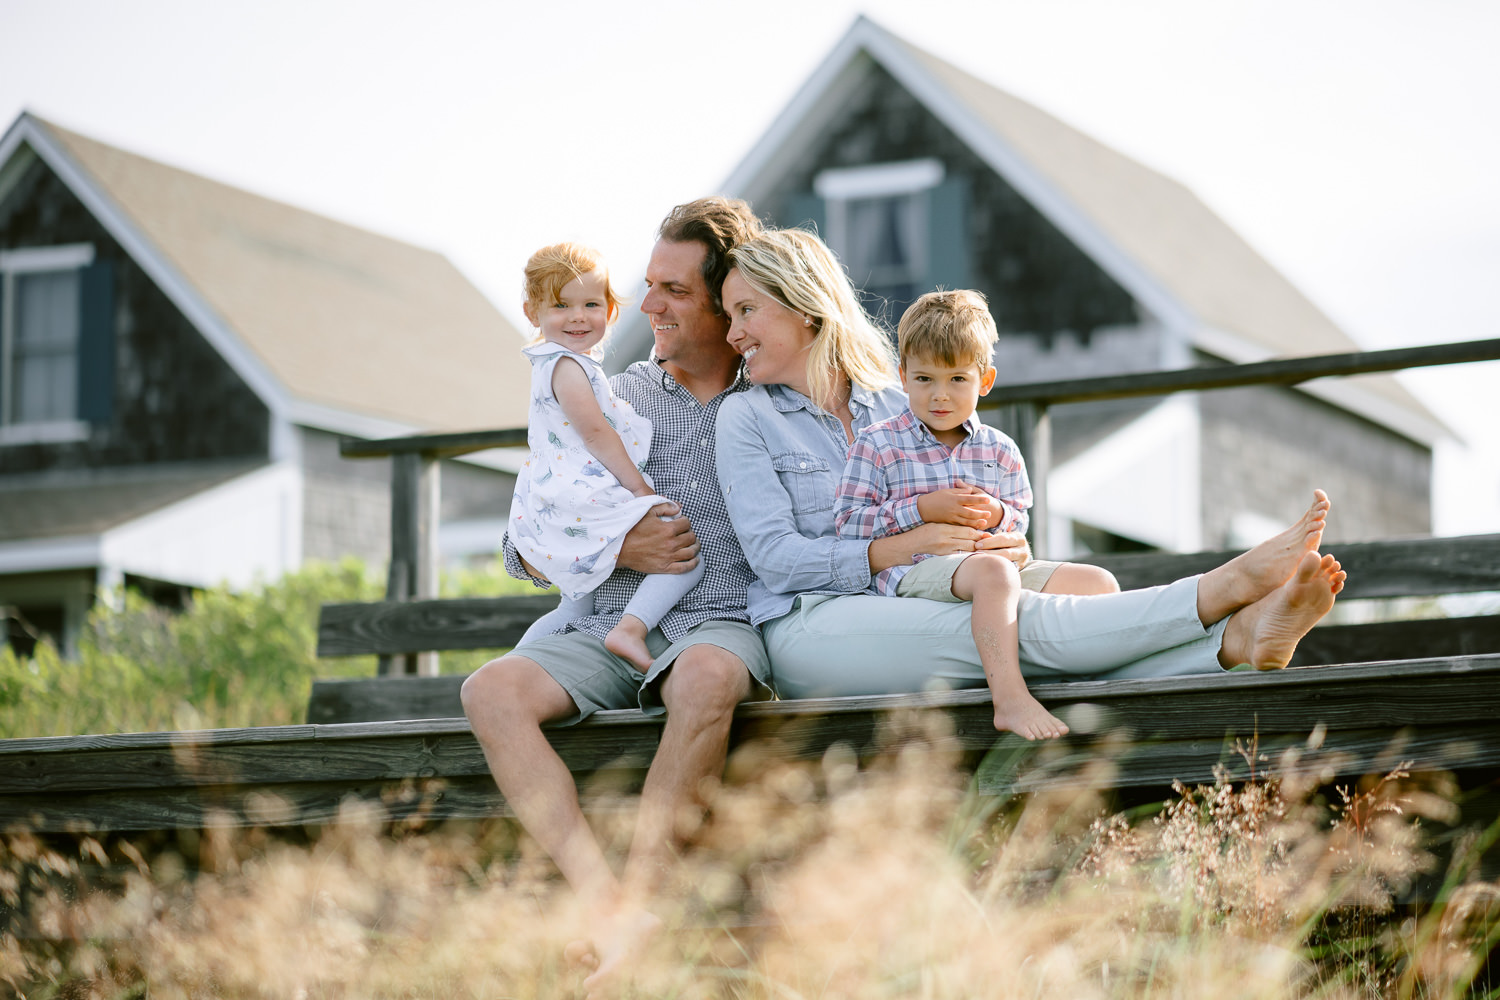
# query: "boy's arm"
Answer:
x=571 y=388
x=862 y=507
x=1010 y=490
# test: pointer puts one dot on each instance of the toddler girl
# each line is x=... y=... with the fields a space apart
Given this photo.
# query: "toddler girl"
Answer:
x=582 y=488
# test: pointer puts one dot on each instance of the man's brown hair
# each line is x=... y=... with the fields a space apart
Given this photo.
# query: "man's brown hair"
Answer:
x=719 y=224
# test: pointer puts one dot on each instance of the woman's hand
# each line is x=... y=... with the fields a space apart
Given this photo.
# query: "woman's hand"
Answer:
x=937 y=539
x=661 y=542
x=1010 y=544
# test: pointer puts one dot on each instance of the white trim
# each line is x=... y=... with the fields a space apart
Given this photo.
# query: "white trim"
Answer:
x=879 y=180
x=28 y=260
x=44 y=432
x=327 y=418
x=43 y=554
x=181 y=292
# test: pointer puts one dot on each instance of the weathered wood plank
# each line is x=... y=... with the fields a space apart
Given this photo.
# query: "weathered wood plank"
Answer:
x=1412 y=567
x=404 y=626
x=438 y=445
x=378 y=698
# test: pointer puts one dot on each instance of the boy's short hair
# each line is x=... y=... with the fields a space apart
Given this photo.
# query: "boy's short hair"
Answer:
x=954 y=328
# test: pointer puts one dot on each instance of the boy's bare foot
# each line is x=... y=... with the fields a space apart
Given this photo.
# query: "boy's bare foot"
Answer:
x=1024 y=715
x=1266 y=633
x=628 y=641
x=619 y=940
x=1252 y=575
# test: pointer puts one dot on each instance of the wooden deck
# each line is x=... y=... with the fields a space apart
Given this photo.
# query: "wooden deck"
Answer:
x=1440 y=714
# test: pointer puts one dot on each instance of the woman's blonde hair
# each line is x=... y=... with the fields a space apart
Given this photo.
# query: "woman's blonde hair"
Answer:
x=550 y=269
x=798 y=270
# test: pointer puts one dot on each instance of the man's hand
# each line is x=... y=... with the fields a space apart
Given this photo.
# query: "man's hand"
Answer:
x=1011 y=544
x=656 y=545
x=964 y=505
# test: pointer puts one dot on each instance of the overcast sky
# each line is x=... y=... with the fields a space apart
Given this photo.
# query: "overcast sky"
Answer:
x=1354 y=144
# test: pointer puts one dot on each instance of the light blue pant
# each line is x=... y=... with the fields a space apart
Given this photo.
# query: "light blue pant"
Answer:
x=858 y=644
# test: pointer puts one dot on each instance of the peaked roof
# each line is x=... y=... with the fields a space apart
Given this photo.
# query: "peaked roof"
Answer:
x=334 y=325
x=1151 y=233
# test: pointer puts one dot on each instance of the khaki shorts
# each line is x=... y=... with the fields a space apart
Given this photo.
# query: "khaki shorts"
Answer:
x=932 y=578
x=597 y=679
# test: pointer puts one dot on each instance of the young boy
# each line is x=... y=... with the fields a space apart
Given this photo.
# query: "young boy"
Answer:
x=937 y=463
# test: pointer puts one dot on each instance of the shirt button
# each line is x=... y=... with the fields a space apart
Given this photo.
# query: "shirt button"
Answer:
x=693 y=485
x=703 y=442
x=801 y=465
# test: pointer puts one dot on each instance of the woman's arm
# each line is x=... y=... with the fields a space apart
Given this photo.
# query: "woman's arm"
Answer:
x=571 y=388
x=935 y=539
x=762 y=513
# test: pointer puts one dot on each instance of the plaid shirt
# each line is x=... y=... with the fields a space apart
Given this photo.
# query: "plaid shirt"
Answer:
x=894 y=462
x=681 y=467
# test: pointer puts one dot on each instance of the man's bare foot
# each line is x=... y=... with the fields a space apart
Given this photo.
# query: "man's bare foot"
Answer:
x=1266 y=633
x=628 y=641
x=619 y=940
x=1024 y=715
x=1252 y=575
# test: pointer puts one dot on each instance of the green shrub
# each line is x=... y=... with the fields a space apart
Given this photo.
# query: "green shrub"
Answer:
x=229 y=659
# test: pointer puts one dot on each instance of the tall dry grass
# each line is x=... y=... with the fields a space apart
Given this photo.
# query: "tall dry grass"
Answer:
x=802 y=881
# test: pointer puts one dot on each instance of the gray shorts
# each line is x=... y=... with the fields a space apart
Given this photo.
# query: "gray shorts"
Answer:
x=932 y=578
x=598 y=680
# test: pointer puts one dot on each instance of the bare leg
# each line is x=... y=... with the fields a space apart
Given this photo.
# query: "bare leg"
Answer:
x=990 y=582
x=700 y=693
x=1252 y=575
x=628 y=641
x=1266 y=633
x=1081 y=578
x=506 y=701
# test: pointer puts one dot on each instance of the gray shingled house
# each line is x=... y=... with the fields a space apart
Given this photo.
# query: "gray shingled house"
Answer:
x=177 y=361
x=920 y=174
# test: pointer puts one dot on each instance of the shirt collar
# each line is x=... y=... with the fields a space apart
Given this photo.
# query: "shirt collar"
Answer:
x=971 y=426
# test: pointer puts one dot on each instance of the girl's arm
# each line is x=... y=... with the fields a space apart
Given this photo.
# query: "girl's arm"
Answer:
x=571 y=389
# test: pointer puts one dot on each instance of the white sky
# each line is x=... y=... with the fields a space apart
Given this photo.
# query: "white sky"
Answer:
x=1355 y=143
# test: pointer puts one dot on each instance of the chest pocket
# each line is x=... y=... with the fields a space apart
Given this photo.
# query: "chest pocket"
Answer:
x=808 y=479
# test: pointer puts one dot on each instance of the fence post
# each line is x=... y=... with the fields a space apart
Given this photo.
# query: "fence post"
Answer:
x=414 y=557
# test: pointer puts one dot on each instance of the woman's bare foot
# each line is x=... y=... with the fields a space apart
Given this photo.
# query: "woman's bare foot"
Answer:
x=1252 y=575
x=619 y=940
x=1266 y=633
x=1023 y=715
x=628 y=641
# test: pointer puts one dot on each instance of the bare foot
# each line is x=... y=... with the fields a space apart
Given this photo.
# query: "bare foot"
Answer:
x=1266 y=633
x=1252 y=575
x=618 y=942
x=628 y=641
x=1024 y=715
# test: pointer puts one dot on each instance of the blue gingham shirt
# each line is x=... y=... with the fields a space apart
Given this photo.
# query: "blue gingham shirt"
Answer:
x=897 y=460
x=681 y=467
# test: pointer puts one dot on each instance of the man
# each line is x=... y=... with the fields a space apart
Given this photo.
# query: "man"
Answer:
x=708 y=656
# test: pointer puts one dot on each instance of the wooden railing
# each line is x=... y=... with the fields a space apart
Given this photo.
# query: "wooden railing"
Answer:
x=1021 y=410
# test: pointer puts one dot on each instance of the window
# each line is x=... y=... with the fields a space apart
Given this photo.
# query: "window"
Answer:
x=56 y=343
x=882 y=221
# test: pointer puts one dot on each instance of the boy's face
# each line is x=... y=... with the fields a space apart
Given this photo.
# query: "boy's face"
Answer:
x=942 y=395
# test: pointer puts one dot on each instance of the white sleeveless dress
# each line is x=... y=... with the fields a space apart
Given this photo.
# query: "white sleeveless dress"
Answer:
x=569 y=514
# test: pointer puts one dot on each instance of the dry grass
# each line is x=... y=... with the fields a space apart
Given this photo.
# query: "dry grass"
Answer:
x=822 y=881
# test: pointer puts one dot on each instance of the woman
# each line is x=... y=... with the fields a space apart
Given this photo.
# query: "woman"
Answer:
x=822 y=373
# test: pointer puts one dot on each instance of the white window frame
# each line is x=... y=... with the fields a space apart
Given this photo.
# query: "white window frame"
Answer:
x=839 y=186
x=33 y=260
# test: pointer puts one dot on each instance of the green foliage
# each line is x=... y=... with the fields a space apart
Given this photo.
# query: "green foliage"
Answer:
x=229 y=659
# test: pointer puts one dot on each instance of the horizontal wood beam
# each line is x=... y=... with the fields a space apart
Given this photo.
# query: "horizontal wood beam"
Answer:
x=1411 y=567
x=436 y=445
x=1283 y=371
x=158 y=780
x=386 y=627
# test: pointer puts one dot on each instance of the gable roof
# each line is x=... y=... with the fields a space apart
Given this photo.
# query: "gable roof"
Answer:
x=1150 y=233
x=334 y=326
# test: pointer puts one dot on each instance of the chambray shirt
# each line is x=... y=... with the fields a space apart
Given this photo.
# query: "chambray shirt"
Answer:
x=780 y=458
x=681 y=468
x=894 y=462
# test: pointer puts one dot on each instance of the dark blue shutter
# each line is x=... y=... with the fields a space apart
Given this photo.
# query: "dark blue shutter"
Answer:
x=948 y=263
x=96 y=342
x=805 y=211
